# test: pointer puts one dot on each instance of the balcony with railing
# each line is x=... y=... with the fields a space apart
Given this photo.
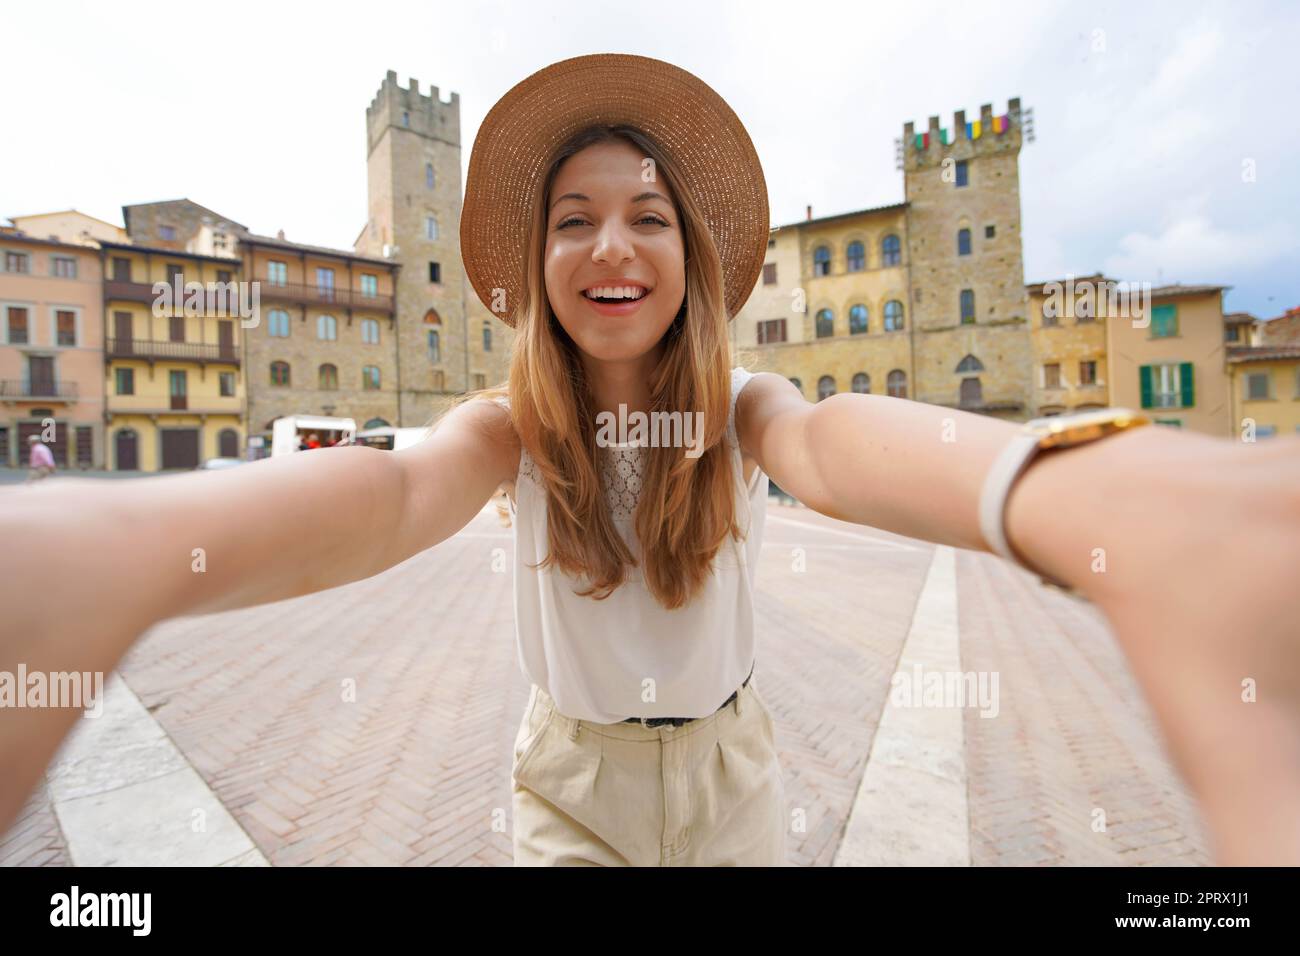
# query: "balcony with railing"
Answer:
x=120 y=291
x=151 y=350
x=38 y=389
x=161 y=408
x=324 y=296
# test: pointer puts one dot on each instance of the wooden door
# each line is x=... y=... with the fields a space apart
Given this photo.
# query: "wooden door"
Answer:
x=127 y=451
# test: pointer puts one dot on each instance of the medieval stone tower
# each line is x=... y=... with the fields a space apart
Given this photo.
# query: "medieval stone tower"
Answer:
x=446 y=344
x=971 y=341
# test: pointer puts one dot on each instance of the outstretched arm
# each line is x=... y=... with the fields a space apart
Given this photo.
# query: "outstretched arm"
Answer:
x=126 y=555
x=1198 y=540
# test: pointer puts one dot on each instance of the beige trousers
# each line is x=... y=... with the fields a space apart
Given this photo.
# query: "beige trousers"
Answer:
x=708 y=793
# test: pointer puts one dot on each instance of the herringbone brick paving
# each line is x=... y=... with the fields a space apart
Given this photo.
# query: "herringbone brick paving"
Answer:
x=373 y=724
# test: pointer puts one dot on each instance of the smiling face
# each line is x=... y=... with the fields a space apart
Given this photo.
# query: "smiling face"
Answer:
x=607 y=229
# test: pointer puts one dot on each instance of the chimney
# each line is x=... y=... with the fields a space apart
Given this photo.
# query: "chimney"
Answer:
x=280 y=235
x=810 y=213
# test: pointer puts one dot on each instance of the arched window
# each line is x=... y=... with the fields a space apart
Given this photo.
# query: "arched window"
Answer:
x=228 y=443
x=277 y=323
x=428 y=175
x=893 y=315
x=432 y=318
x=327 y=328
x=971 y=392
x=329 y=377
x=963 y=242
x=821 y=261
x=857 y=256
x=862 y=383
x=896 y=383
x=858 y=320
x=370 y=331
x=487 y=336
x=825 y=323
x=375 y=423
x=891 y=253
x=370 y=377
x=435 y=352
x=825 y=387
x=970 y=364
x=797 y=384
x=430 y=227
x=279 y=373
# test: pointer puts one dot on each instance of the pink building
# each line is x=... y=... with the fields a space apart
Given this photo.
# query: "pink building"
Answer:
x=51 y=350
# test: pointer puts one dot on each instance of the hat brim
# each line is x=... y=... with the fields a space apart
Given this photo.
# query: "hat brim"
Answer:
x=692 y=124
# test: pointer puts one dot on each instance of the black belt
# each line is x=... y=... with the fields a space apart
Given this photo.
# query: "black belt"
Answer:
x=678 y=721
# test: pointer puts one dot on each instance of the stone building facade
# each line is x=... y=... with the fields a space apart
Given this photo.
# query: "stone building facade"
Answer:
x=448 y=342
x=173 y=224
x=924 y=299
x=327 y=340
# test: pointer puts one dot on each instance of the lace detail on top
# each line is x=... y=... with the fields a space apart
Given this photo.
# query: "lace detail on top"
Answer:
x=528 y=467
x=622 y=472
x=622 y=468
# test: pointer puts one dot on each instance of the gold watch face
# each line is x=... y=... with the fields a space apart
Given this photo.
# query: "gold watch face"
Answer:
x=1061 y=431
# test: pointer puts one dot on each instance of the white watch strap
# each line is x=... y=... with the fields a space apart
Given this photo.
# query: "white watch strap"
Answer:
x=997 y=486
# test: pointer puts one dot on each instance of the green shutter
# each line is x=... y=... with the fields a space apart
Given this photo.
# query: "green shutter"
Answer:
x=1185 y=380
x=1164 y=321
x=1144 y=376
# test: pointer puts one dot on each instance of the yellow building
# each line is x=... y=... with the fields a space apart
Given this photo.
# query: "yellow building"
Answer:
x=174 y=369
x=1068 y=331
x=829 y=311
x=1170 y=359
x=69 y=226
x=1265 y=378
x=923 y=299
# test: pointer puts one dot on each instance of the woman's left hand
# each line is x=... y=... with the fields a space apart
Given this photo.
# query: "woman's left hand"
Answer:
x=1190 y=545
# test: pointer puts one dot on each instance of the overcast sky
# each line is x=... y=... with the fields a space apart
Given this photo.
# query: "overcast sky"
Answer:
x=1150 y=118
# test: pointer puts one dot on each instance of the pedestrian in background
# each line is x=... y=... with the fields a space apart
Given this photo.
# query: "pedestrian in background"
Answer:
x=40 y=460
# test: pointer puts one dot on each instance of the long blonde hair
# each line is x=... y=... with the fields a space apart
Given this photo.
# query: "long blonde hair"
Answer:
x=687 y=505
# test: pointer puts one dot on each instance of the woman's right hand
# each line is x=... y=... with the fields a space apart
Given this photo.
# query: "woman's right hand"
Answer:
x=92 y=564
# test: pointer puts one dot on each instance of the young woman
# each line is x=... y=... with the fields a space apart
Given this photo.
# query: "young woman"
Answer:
x=616 y=217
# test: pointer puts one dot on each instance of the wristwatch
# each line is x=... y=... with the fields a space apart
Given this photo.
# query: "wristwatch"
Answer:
x=1035 y=437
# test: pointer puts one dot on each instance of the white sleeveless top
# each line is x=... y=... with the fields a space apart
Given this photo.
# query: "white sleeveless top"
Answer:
x=597 y=659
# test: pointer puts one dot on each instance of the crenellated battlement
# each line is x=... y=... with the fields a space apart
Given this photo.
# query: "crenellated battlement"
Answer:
x=407 y=108
x=965 y=138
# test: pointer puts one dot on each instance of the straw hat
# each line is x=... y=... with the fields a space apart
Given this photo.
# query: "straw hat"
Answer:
x=692 y=124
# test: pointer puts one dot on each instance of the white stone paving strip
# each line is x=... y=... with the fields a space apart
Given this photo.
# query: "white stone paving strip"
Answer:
x=124 y=795
x=910 y=809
